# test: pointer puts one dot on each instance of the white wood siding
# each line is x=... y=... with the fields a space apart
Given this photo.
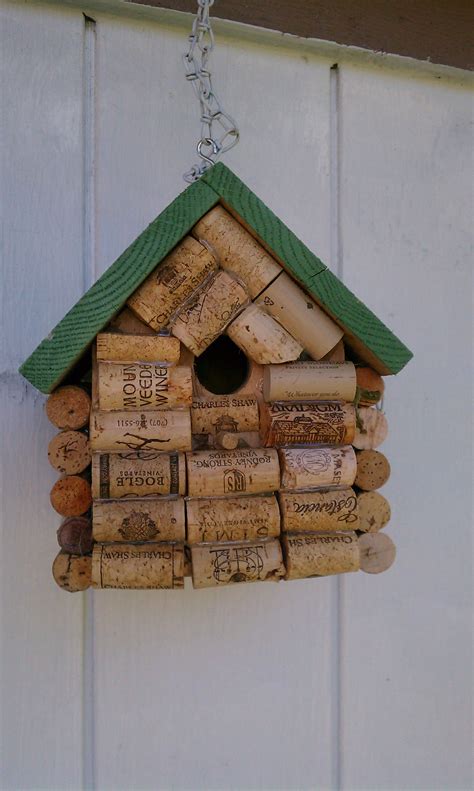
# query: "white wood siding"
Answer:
x=355 y=683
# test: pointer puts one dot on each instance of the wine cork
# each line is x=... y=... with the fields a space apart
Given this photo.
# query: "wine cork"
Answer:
x=117 y=347
x=316 y=468
x=73 y=573
x=241 y=471
x=373 y=470
x=319 y=554
x=68 y=407
x=238 y=561
x=310 y=381
x=262 y=338
x=75 y=535
x=136 y=431
x=144 y=386
x=377 y=552
x=238 y=251
x=371 y=429
x=69 y=452
x=151 y=519
x=336 y=355
x=209 y=311
x=371 y=386
x=325 y=511
x=224 y=413
x=238 y=439
x=143 y=473
x=253 y=385
x=232 y=518
x=227 y=440
x=127 y=322
x=71 y=496
x=171 y=283
x=301 y=316
x=329 y=423
x=374 y=511
x=138 y=566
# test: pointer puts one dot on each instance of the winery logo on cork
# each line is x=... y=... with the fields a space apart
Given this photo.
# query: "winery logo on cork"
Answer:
x=323 y=424
x=226 y=423
x=234 y=481
x=345 y=508
x=315 y=461
x=168 y=276
x=139 y=526
x=237 y=564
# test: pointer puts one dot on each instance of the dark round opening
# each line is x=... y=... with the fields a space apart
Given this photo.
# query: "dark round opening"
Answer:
x=223 y=367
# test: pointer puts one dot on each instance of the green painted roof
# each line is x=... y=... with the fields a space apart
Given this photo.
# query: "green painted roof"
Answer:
x=66 y=343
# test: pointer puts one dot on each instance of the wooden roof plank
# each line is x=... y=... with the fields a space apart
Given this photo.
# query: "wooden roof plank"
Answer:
x=65 y=345
x=365 y=332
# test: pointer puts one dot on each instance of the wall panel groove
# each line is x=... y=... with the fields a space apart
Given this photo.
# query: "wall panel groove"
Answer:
x=336 y=260
x=89 y=263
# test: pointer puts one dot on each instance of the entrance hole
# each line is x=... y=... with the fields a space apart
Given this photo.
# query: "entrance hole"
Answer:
x=223 y=367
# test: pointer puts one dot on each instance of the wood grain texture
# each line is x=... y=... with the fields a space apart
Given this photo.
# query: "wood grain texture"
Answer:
x=364 y=332
x=68 y=341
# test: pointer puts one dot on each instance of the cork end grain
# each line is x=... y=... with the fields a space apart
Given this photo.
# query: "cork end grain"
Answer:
x=372 y=428
x=71 y=496
x=373 y=470
x=374 y=511
x=69 y=452
x=72 y=573
x=68 y=407
x=75 y=535
x=377 y=552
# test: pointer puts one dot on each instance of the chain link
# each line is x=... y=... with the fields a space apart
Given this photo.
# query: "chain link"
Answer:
x=219 y=132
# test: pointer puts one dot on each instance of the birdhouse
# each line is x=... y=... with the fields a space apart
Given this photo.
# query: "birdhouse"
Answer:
x=217 y=393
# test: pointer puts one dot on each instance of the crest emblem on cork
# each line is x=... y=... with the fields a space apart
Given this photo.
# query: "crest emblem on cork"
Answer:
x=138 y=527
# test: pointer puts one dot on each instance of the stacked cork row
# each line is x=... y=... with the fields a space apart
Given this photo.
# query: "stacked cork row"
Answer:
x=275 y=481
x=68 y=409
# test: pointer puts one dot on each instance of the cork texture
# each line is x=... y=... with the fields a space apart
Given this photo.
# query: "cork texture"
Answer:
x=69 y=340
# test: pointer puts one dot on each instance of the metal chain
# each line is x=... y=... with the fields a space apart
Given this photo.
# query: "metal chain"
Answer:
x=219 y=132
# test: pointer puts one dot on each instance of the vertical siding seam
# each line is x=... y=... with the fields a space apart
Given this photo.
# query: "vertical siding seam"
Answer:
x=89 y=151
x=89 y=276
x=337 y=267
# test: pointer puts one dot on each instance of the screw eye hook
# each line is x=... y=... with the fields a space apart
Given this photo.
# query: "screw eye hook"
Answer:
x=207 y=142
